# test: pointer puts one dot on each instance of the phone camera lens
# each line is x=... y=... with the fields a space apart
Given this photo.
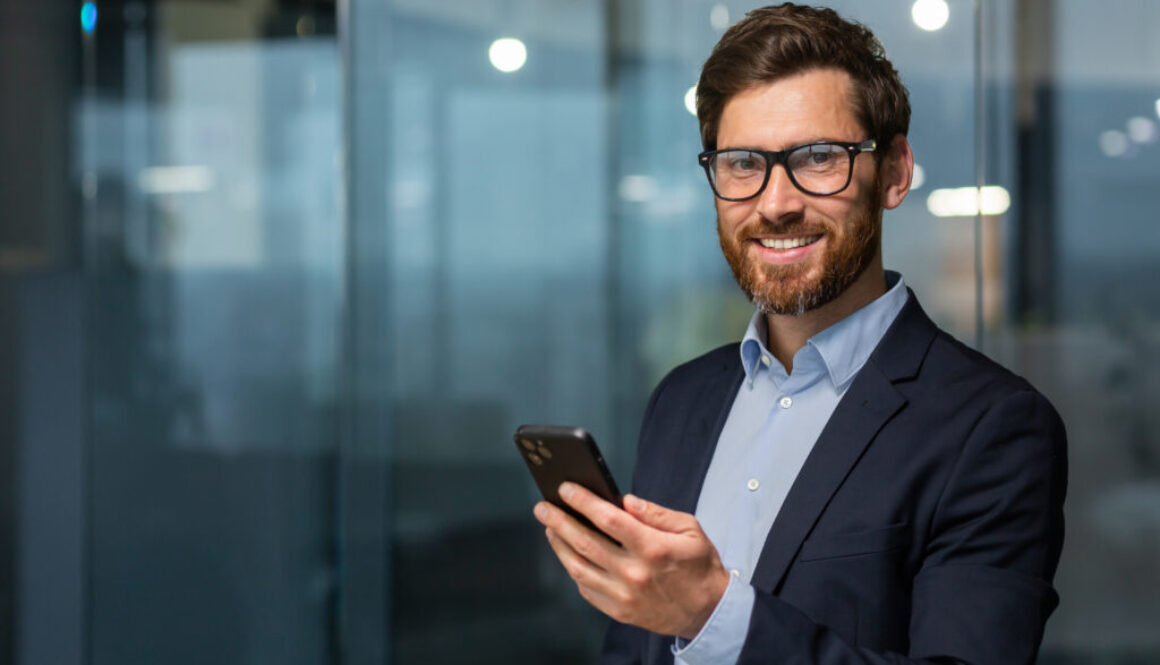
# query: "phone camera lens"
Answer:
x=535 y=459
x=528 y=445
x=544 y=452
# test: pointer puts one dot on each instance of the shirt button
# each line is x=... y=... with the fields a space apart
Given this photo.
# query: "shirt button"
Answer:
x=785 y=402
x=766 y=361
x=736 y=573
x=753 y=484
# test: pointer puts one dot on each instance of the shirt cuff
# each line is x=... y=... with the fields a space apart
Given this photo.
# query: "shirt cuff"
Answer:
x=723 y=635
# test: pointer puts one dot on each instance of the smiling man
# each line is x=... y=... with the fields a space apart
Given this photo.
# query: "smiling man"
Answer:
x=848 y=484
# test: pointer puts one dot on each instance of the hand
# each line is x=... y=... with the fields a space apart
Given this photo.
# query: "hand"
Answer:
x=665 y=576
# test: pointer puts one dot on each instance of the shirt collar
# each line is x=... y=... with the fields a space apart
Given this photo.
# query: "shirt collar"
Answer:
x=845 y=346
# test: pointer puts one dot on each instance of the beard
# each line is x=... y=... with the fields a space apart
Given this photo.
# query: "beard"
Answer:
x=790 y=289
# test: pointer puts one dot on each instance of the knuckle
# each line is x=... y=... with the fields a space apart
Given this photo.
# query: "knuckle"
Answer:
x=583 y=546
x=637 y=577
x=651 y=552
x=624 y=600
x=607 y=521
x=578 y=575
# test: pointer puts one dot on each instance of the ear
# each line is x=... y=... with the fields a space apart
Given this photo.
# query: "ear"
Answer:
x=895 y=172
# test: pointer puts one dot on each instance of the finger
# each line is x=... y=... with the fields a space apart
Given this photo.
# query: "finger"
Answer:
x=603 y=602
x=600 y=588
x=608 y=518
x=589 y=577
x=591 y=545
x=657 y=516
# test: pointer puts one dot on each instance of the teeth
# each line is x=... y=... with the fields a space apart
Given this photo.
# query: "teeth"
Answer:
x=786 y=243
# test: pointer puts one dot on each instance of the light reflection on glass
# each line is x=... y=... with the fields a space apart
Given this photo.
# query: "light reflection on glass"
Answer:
x=1142 y=130
x=89 y=17
x=719 y=17
x=1114 y=143
x=637 y=188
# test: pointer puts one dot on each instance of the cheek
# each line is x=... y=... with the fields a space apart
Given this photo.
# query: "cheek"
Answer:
x=732 y=217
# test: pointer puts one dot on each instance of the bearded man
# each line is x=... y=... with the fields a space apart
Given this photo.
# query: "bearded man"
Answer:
x=848 y=484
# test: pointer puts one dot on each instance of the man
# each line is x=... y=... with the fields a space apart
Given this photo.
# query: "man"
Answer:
x=849 y=484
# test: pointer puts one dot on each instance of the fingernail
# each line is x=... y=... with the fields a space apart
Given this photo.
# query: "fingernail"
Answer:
x=567 y=490
x=540 y=511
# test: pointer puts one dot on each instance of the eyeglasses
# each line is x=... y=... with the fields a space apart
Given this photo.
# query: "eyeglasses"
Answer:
x=818 y=169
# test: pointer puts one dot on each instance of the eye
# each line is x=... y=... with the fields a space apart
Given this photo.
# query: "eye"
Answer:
x=817 y=158
x=743 y=162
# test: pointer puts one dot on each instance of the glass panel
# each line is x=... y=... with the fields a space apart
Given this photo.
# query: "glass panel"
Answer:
x=499 y=316
x=209 y=139
x=1083 y=315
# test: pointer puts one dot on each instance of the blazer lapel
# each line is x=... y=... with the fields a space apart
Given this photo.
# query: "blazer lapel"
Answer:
x=868 y=404
x=870 y=401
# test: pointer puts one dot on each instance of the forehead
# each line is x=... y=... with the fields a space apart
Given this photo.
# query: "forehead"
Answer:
x=811 y=106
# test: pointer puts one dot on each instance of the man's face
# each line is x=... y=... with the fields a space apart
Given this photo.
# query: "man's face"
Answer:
x=792 y=252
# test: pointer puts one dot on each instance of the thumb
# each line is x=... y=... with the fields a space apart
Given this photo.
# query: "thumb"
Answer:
x=657 y=516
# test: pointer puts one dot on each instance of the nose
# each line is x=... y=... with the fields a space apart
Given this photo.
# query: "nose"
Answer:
x=780 y=198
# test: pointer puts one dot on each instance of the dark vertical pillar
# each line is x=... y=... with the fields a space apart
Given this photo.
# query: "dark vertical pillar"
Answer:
x=1034 y=290
x=39 y=230
x=39 y=56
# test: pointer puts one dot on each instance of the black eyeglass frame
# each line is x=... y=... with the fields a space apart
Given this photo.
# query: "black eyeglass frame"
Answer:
x=782 y=157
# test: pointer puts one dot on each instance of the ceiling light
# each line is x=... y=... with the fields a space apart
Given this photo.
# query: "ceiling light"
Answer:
x=968 y=201
x=930 y=15
x=691 y=100
x=507 y=54
x=918 y=178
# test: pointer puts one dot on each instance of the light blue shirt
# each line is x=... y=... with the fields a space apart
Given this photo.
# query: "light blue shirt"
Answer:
x=775 y=420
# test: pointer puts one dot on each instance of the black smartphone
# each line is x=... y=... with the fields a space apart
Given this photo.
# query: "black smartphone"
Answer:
x=554 y=454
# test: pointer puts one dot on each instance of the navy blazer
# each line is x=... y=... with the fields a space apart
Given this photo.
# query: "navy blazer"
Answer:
x=925 y=525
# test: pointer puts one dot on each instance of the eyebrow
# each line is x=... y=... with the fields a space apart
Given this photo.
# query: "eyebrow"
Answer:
x=794 y=145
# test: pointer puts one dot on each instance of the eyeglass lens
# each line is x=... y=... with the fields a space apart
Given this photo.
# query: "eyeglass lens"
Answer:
x=817 y=169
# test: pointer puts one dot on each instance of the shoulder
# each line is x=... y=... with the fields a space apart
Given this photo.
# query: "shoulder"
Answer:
x=692 y=374
x=929 y=363
x=724 y=357
x=690 y=386
x=975 y=411
x=962 y=370
x=954 y=389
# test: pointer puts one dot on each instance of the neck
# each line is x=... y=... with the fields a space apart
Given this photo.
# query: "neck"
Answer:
x=788 y=333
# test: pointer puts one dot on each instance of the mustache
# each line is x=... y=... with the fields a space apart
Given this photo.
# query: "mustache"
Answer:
x=788 y=227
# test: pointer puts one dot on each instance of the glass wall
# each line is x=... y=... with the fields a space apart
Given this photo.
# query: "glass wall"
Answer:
x=209 y=137
x=295 y=270
x=1083 y=314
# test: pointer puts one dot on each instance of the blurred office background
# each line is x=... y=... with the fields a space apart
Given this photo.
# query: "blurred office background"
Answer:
x=278 y=278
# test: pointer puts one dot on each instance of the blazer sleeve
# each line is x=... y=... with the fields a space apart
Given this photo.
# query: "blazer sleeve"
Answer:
x=623 y=644
x=982 y=593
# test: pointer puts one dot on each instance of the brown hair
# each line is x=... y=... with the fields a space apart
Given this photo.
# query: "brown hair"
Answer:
x=775 y=42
